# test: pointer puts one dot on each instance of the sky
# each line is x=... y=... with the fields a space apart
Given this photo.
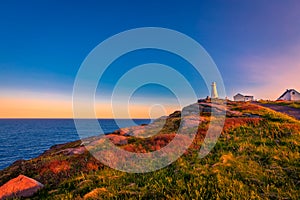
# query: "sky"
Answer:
x=255 y=45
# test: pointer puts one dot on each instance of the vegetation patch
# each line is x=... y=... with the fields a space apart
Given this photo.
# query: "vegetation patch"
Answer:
x=256 y=157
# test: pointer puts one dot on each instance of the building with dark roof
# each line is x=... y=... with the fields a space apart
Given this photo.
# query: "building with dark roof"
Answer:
x=240 y=97
x=290 y=95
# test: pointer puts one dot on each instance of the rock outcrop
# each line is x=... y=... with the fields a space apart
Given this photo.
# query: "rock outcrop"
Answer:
x=21 y=186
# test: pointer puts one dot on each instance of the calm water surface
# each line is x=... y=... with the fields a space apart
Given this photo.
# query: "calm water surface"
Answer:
x=28 y=138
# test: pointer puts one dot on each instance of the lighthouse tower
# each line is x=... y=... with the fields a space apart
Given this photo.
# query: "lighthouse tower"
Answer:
x=214 y=93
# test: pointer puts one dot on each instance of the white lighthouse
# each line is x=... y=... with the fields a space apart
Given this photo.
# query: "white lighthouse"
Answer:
x=214 y=93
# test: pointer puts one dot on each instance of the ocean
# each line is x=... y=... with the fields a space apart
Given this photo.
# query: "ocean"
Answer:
x=28 y=138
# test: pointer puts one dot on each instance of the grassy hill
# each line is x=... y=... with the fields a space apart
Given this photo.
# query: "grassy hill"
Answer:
x=256 y=157
x=292 y=104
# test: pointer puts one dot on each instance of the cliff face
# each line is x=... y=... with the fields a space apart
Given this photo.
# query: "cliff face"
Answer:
x=256 y=150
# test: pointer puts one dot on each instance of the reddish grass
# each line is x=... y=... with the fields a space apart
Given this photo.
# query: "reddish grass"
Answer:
x=91 y=166
x=56 y=166
x=294 y=127
x=151 y=144
x=236 y=122
x=250 y=107
x=136 y=148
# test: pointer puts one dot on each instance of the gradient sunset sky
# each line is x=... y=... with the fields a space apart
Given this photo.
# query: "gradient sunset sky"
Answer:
x=255 y=44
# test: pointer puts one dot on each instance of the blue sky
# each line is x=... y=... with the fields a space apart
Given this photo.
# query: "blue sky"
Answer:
x=255 y=44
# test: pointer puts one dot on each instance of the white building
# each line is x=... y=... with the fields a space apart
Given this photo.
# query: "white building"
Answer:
x=214 y=93
x=290 y=95
x=240 y=97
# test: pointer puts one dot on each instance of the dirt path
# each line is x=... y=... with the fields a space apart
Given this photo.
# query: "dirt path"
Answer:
x=294 y=112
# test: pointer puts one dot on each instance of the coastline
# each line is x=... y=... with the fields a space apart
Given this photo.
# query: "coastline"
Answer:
x=28 y=138
x=69 y=169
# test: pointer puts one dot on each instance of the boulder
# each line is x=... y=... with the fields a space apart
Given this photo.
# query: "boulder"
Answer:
x=21 y=186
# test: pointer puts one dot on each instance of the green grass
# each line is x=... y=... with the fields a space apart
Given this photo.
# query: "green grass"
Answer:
x=250 y=161
x=251 y=165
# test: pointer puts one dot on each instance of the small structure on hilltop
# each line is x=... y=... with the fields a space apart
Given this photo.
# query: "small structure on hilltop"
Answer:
x=214 y=93
x=290 y=95
x=240 y=97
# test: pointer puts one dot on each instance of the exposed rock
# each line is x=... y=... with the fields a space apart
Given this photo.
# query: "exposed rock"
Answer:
x=117 y=139
x=192 y=121
x=209 y=107
x=190 y=110
x=21 y=186
x=140 y=131
x=73 y=151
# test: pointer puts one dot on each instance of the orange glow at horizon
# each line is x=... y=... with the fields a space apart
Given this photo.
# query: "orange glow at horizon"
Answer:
x=26 y=107
x=34 y=108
